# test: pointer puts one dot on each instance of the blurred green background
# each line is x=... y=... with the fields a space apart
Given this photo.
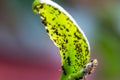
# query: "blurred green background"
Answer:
x=27 y=53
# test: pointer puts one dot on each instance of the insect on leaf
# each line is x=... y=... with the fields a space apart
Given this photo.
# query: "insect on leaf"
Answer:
x=67 y=36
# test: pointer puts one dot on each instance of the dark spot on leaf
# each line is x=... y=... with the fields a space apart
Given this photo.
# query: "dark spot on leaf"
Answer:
x=67 y=19
x=61 y=28
x=63 y=69
x=63 y=53
x=67 y=30
x=44 y=22
x=53 y=28
x=69 y=62
x=47 y=30
x=69 y=35
x=64 y=57
x=41 y=5
x=78 y=37
x=66 y=41
x=58 y=24
x=53 y=19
